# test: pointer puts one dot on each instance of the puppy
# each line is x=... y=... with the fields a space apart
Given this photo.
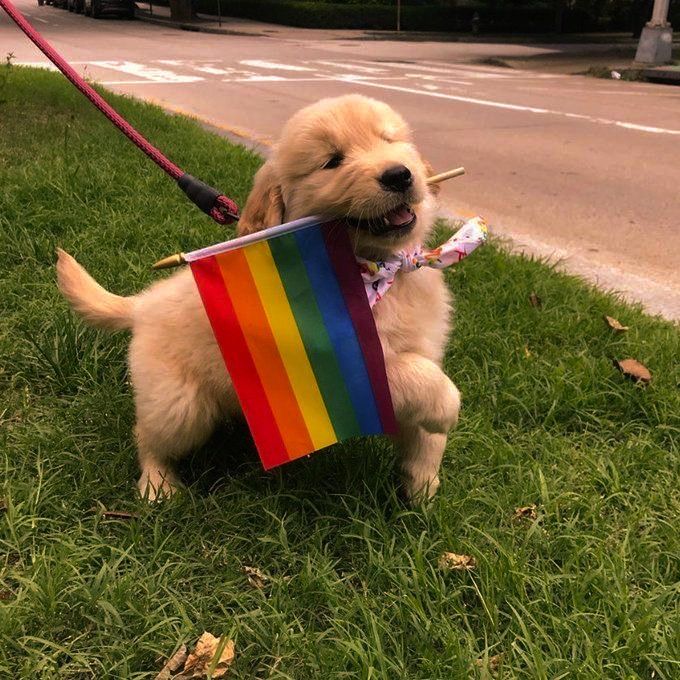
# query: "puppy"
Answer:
x=349 y=158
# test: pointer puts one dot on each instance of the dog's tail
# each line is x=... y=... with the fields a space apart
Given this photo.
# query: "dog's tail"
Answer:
x=95 y=304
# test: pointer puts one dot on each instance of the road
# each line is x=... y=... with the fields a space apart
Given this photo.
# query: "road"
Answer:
x=579 y=169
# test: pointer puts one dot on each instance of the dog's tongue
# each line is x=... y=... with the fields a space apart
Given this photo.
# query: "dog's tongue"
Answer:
x=399 y=216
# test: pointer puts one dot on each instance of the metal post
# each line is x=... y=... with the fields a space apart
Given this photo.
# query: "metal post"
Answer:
x=219 y=13
x=398 y=16
x=151 y=7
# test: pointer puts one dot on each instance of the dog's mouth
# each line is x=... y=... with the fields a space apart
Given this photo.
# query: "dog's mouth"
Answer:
x=394 y=223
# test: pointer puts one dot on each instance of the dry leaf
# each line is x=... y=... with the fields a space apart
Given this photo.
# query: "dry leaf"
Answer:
x=634 y=370
x=200 y=660
x=535 y=300
x=527 y=352
x=255 y=577
x=527 y=512
x=173 y=664
x=451 y=561
x=615 y=324
x=494 y=662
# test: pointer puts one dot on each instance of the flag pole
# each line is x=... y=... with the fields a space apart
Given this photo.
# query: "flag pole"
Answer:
x=179 y=259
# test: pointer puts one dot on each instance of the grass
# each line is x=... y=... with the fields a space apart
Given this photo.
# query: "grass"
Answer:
x=589 y=589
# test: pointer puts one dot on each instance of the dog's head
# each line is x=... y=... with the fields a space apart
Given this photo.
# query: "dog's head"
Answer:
x=349 y=158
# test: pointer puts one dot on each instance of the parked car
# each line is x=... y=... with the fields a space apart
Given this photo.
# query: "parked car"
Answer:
x=96 y=8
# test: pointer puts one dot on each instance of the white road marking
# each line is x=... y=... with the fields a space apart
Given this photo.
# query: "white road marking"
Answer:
x=148 y=73
x=274 y=65
x=517 y=107
x=444 y=69
x=213 y=71
x=350 y=67
x=42 y=21
x=436 y=79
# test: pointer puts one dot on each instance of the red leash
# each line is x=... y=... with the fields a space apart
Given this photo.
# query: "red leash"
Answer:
x=209 y=200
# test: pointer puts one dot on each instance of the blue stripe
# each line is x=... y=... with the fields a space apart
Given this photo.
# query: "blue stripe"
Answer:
x=340 y=328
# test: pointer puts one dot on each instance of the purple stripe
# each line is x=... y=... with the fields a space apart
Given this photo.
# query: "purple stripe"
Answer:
x=353 y=290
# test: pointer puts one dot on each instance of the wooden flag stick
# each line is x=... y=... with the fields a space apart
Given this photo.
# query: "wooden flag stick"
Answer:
x=449 y=174
x=179 y=259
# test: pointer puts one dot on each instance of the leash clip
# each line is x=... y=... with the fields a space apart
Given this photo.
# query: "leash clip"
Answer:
x=208 y=199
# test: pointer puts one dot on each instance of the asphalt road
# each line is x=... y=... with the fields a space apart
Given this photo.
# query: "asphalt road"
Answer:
x=584 y=170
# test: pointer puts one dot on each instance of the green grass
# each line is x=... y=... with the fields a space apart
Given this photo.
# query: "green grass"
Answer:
x=588 y=590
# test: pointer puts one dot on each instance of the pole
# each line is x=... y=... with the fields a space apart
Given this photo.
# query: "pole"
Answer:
x=398 y=16
x=660 y=13
x=219 y=12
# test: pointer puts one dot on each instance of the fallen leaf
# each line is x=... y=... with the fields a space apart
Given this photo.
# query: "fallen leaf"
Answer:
x=200 y=660
x=634 y=370
x=173 y=664
x=452 y=561
x=527 y=512
x=119 y=514
x=255 y=577
x=535 y=300
x=494 y=662
x=615 y=324
x=527 y=352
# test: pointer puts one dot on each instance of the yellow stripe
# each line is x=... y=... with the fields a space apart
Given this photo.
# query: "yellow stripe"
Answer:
x=292 y=350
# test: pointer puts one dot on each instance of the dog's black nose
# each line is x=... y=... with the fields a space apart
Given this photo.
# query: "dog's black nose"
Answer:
x=397 y=178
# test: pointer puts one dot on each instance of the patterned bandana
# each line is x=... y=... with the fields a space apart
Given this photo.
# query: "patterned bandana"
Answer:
x=379 y=276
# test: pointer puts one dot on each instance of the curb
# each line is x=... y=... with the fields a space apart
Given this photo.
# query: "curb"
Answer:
x=194 y=28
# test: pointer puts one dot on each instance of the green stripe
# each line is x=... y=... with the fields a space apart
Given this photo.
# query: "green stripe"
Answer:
x=314 y=336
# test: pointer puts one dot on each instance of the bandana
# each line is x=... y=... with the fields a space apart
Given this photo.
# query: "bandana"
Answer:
x=379 y=275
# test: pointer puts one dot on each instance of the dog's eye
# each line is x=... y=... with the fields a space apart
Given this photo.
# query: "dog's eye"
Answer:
x=333 y=162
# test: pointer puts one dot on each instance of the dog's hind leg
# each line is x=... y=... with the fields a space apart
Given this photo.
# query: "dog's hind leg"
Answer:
x=420 y=458
x=176 y=414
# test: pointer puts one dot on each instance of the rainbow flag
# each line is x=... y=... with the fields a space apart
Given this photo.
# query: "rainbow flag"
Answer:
x=290 y=314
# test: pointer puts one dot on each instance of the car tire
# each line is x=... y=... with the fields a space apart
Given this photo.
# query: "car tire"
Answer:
x=96 y=9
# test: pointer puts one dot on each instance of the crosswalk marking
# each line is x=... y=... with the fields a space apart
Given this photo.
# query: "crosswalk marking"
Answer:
x=145 y=72
x=349 y=67
x=273 y=65
x=429 y=76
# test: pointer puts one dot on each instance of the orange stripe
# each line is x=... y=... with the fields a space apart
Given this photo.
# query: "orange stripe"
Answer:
x=242 y=290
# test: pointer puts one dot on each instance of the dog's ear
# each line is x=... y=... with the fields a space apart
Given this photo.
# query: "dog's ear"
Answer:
x=264 y=207
x=429 y=170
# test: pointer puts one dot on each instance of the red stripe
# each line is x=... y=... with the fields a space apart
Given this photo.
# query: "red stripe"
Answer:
x=352 y=286
x=239 y=362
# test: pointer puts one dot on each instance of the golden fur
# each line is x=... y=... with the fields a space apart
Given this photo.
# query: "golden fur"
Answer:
x=181 y=388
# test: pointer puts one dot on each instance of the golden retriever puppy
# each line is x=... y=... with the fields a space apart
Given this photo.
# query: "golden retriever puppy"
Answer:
x=350 y=158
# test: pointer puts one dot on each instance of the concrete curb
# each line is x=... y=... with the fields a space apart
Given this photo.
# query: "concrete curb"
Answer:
x=194 y=27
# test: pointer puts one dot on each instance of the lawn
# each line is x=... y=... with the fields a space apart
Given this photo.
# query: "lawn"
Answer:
x=586 y=589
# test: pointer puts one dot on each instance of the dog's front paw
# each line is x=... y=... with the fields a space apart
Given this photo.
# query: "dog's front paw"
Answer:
x=443 y=414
